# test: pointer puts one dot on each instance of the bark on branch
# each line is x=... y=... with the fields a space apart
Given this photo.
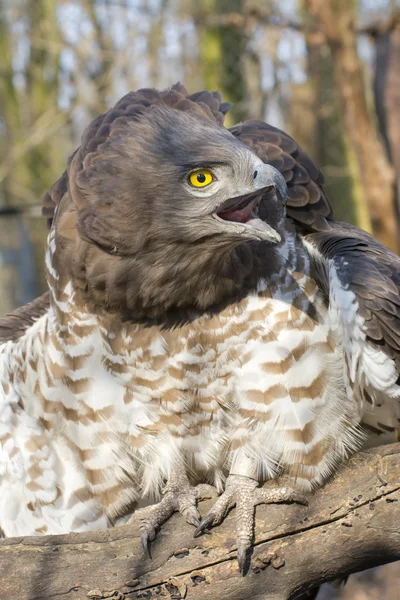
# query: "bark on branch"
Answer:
x=349 y=525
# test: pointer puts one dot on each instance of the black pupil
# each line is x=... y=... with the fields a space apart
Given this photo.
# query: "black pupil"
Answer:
x=201 y=177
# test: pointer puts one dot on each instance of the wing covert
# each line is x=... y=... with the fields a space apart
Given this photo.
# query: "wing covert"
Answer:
x=372 y=272
x=308 y=204
x=361 y=279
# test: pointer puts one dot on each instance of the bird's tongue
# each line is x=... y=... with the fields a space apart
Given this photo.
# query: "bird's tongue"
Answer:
x=245 y=215
x=239 y=216
x=248 y=215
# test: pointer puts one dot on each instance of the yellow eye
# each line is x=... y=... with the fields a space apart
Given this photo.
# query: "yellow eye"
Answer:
x=201 y=178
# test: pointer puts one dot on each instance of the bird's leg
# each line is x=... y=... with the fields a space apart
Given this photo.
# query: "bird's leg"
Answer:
x=243 y=492
x=178 y=495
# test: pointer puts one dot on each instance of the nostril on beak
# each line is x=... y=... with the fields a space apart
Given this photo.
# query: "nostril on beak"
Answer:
x=255 y=174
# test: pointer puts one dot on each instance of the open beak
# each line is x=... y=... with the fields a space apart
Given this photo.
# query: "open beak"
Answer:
x=243 y=211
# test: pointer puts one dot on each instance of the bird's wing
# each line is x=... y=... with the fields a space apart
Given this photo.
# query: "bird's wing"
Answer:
x=14 y=324
x=362 y=282
x=307 y=203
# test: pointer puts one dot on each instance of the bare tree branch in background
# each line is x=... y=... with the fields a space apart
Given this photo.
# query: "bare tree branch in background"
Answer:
x=44 y=128
x=245 y=19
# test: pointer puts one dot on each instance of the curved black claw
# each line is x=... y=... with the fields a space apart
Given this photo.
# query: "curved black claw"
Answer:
x=145 y=539
x=193 y=520
x=243 y=559
x=178 y=496
x=205 y=523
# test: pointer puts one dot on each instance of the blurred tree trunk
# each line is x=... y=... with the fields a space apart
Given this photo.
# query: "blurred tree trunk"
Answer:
x=155 y=42
x=100 y=69
x=317 y=123
x=42 y=92
x=29 y=109
x=386 y=37
x=392 y=106
x=255 y=100
x=31 y=117
x=232 y=43
x=9 y=107
x=337 y=18
x=229 y=64
x=32 y=156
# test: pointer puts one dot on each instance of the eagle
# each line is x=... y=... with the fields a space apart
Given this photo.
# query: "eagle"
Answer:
x=208 y=326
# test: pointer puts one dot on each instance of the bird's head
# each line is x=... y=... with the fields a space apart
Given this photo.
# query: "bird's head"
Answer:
x=176 y=201
x=171 y=177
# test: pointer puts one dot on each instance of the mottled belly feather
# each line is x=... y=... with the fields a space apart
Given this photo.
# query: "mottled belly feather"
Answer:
x=255 y=389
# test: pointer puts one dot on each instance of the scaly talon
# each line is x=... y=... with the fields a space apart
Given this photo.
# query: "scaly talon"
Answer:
x=178 y=495
x=244 y=493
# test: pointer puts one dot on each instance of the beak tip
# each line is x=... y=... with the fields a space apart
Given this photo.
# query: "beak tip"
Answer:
x=270 y=174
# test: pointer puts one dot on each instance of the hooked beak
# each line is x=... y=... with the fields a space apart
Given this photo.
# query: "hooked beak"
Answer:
x=242 y=212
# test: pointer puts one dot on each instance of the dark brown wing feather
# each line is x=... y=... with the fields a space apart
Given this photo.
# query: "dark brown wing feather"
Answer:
x=307 y=204
x=372 y=272
x=204 y=104
x=14 y=324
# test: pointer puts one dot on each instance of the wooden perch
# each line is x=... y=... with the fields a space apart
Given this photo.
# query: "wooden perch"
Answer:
x=353 y=523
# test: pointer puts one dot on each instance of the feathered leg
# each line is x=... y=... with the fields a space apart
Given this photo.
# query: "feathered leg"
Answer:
x=242 y=491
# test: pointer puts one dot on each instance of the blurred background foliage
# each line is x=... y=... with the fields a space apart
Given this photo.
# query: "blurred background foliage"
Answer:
x=327 y=71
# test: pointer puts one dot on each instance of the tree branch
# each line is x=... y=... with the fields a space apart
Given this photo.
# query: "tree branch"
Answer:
x=350 y=525
x=273 y=18
x=380 y=27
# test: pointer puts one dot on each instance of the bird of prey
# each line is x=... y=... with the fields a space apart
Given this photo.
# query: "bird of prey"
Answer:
x=208 y=325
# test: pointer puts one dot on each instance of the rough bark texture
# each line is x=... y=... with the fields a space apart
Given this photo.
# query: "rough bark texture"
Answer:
x=349 y=525
x=337 y=20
